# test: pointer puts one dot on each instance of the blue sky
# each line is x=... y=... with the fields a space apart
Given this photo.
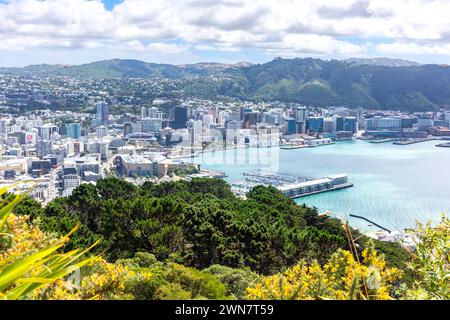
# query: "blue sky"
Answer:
x=189 y=31
x=109 y=4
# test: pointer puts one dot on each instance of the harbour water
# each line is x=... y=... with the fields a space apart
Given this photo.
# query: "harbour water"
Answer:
x=394 y=185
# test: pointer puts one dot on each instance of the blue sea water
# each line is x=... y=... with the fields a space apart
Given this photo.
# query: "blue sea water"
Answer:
x=394 y=185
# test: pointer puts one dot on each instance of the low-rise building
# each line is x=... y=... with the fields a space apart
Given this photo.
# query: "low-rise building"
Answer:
x=440 y=131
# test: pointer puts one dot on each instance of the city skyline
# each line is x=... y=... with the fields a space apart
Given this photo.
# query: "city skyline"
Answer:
x=182 y=32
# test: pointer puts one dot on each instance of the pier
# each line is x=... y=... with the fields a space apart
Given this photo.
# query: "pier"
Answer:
x=370 y=221
x=293 y=146
x=381 y=141
x=444 y=145
x=291 y=185
x=403 y=142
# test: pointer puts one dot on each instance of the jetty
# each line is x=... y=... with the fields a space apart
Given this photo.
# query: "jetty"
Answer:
x=291 y=185
x=403 y=142
x=370 y=221
x=381 y=140
x=444 y=145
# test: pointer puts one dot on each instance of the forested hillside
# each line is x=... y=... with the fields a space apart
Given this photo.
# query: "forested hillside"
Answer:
x=197 y=224
x=383 y=84
x=196 y=240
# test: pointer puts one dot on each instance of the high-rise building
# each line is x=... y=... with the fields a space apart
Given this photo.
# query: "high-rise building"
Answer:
x=425 y=124
x=71 y=181
x=447 y=116
x=233 y=116
x=339 y=123
x=144 y=113
x=43 y=148
x=102 y=115
x=250 y=119
x=233 y=125
x=101 y=131
x=62 y=130
x=314 y=124
x=180 y=117
x=152 y=112
x=195 y=131
x=408 y=122
x=73 y=130
x=243 y=111
x=127 y=128
x=46 y=131
x=379 y=123
x=207 y=120
x=151 y=125
x=301 y=113
x=3 y=127
x=350 y=124
x=290 y=125
x=329 y=125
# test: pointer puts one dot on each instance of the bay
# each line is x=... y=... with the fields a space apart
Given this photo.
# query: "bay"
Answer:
x=394 y=185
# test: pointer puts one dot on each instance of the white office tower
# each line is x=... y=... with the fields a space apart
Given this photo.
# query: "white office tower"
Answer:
x=301 y=113
x=47 y=131
x=101 y=132
x=3 y=129
x=208 y=120
x=136 y=127
x=447 y=116
x=71 y=181
x=143 y=112
x=3 y=126
x=152 y=112
x=329 y=125
x=31 y=137
x=151 y=124
x=195 y=131
x=38 y=122
x=221 y=118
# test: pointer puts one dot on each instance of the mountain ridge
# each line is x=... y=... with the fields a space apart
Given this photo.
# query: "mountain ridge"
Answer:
x=309 y=81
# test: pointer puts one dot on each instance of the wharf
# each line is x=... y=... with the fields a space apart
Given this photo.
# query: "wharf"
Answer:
x=381 y=141
x=293 y=146
x=403 y=142
x=444 y=145
x=291 y=185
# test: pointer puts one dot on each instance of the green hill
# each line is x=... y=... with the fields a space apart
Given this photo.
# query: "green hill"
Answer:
x=319 y=82
x=378 y=83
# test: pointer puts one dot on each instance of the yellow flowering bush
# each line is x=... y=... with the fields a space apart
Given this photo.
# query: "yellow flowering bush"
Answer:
x=431 y=263
x=29 y=258
x=19 y=238
x=105 y=281
x=341 y=278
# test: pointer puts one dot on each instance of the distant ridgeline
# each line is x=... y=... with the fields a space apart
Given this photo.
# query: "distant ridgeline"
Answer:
x=378 y=83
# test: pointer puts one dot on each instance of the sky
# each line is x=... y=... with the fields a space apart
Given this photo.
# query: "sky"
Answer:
x=228 y=31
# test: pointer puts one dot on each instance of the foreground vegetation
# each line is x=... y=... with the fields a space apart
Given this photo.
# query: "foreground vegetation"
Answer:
x=196 y=240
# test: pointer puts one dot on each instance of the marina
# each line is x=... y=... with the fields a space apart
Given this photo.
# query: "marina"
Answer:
x=291 y=185
x=306 y=143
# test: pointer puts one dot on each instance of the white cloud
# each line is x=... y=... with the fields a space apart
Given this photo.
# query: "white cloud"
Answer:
x=288 y=27
x=398 y=48
x=161 y=47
